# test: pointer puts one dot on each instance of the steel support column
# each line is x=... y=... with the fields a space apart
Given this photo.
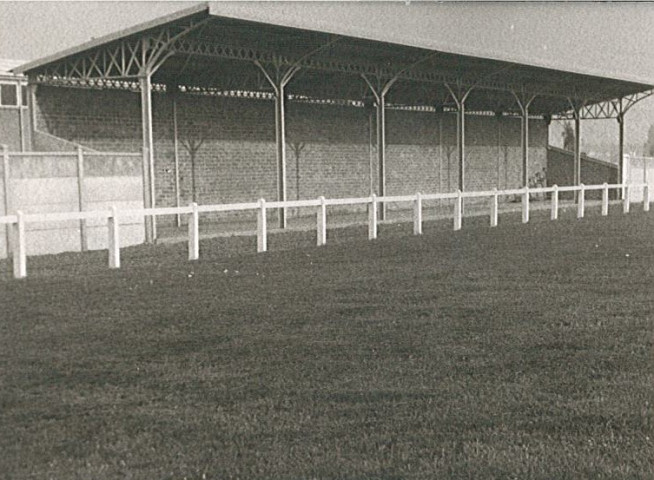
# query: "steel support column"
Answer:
x=381 y=150
x=178 y=220
x=577 y=166
x=280 y=140
x=379 y=91
x=621 y=165
x=459 y=96
x=148 y=155
x=278 y=81
x=523 y=103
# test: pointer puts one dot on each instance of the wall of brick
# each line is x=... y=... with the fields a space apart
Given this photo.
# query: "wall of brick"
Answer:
x=560 y=171
x=236 y=159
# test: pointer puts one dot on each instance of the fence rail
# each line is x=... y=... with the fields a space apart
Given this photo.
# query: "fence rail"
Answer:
x=18 y=221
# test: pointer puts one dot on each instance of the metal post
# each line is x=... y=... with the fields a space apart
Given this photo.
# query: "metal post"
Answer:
x=21 y=119
x=577 y=165
x=460 y=139
x=381 y=150
x=84 y=244
x=6 y=189
x=523 y=103
x=555 y=203
x=31 y=103
x=605 y=200
x=148 y=155
x=525 y=146
x=194 y=233
x=178 y=217
x=113 y=239
x=494 y=209
x=262 y=228
x=458 y=210
x=280 y=139
x=525 y=205
x=321 y=224
x=582 y=201
x=621 y=169
x=372 y=218
x=20 y=250
x=417 y=214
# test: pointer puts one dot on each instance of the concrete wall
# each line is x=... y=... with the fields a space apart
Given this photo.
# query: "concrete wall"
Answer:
x=44 y=184
x=10 y=128
x=236 y=160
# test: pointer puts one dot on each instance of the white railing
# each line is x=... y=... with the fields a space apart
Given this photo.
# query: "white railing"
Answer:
x=17 y=222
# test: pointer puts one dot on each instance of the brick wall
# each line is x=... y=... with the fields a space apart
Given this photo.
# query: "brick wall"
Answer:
x=236 y=160
x=560 y=171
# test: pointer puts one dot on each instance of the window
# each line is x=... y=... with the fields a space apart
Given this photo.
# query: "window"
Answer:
x=23 y=94
x=8 y=95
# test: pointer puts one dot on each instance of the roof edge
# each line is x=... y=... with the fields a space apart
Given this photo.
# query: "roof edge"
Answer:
x=215 y=11
x=96 y=42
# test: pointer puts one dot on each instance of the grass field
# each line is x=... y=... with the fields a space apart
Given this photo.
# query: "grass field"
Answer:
x=523 y=351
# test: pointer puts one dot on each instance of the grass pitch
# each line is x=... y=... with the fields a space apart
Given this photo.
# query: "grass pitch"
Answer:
x=523 y=351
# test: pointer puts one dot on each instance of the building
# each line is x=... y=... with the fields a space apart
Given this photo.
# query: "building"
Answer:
x=231 y=108
x=14 y=118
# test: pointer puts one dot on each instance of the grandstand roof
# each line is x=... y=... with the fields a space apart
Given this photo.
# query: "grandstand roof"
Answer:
x=334 y=44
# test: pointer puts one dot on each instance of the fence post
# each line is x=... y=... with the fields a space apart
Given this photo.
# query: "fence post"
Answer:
x=194 y=233
x=625 y=201
x=262 y=228
x=494 y=209
x=372 y=218
x=6 y=199
x=605 y=200
x=582 y=198
x=555 y=203
x=20 y=253
x=84 y=244
x=321 y=225
x=646 y=199
x=417 y=214
x=114 y=239
x=525 y=205
x=458 y=203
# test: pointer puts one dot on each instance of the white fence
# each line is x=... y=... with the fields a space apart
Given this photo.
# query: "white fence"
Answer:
x=115 y=217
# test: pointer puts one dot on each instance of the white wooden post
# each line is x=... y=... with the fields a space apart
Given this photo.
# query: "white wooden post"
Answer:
x=321 y=223
x=372 y=218
x=458 y=202
x=646 y=199
x=194 y=233
x=494 y=209
x=417 y=214
x=555 y=203
x=114 y=239
x=581 y=205
x=625 y=201
x=20 y=252
x=525 y=205
x=605 y=200
x=262 y=228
